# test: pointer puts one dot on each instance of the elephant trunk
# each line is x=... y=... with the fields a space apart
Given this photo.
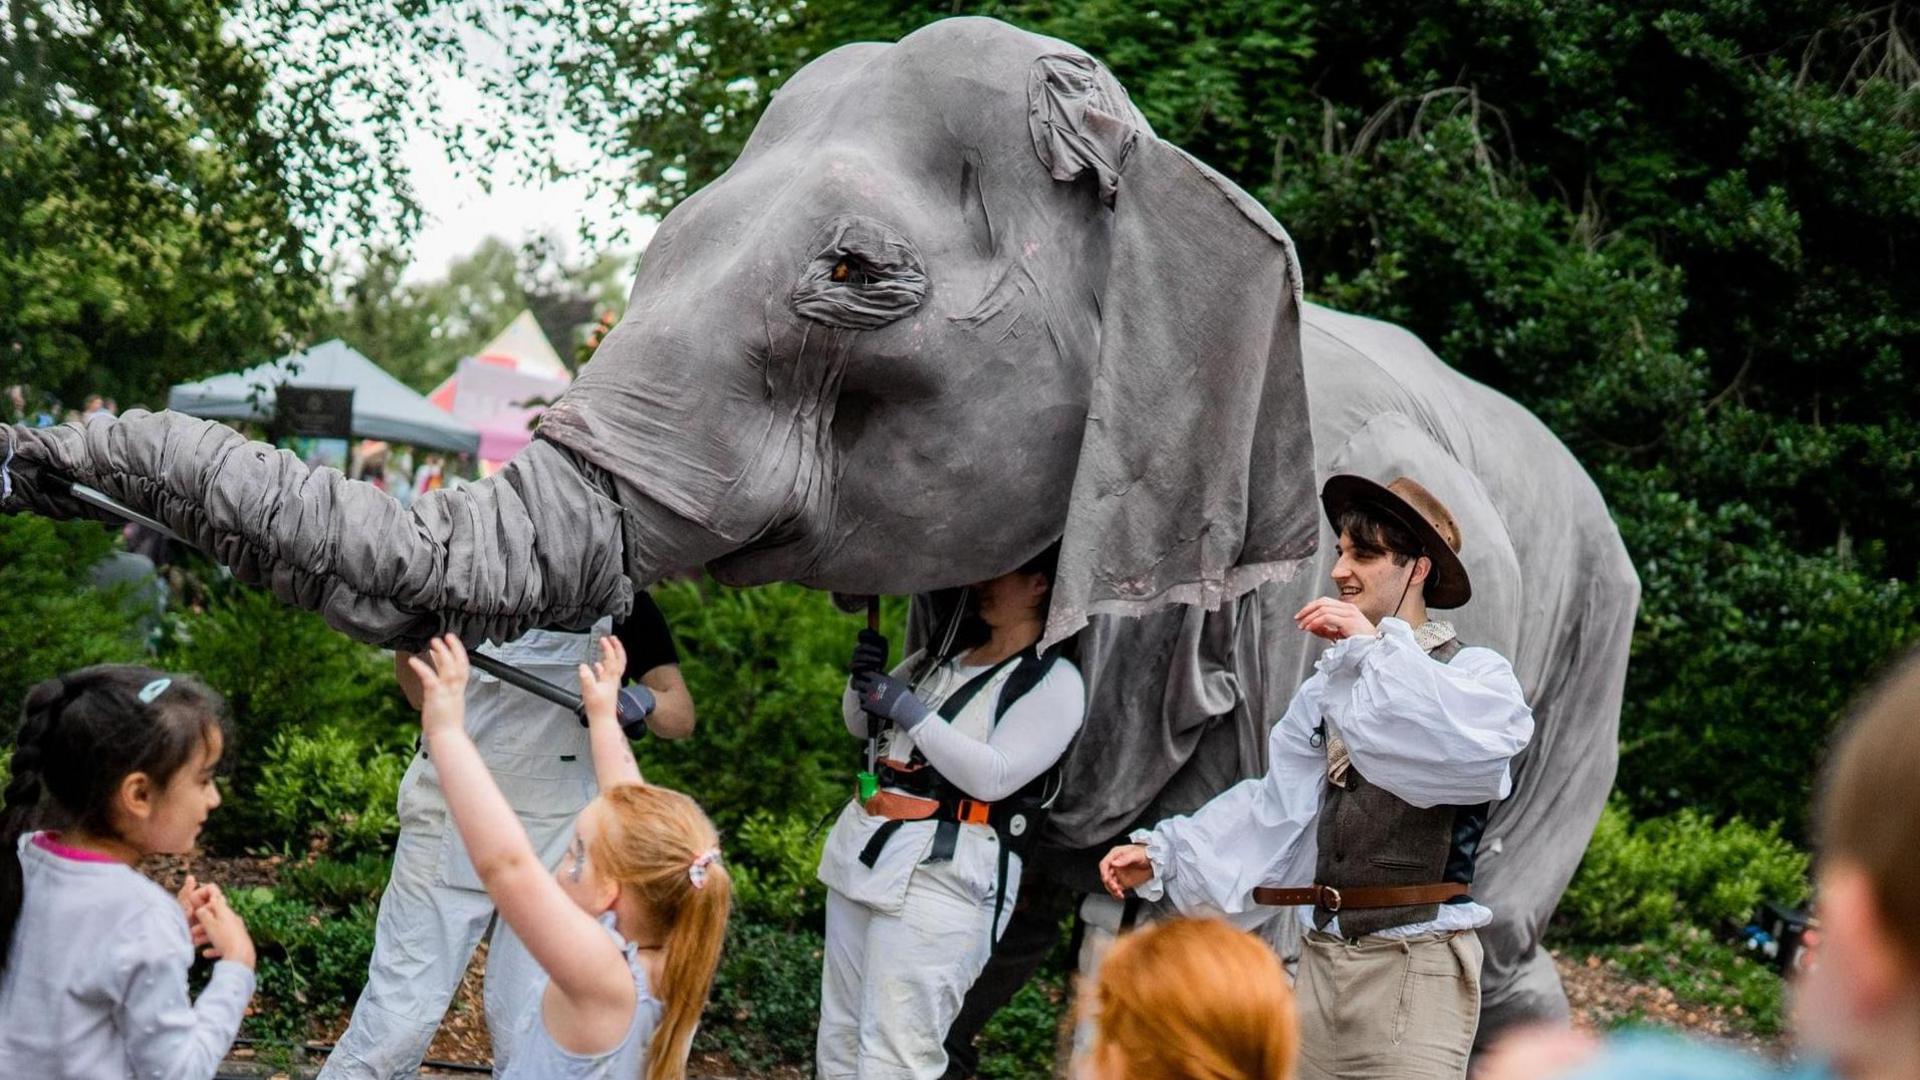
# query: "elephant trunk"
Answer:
x=542 y=543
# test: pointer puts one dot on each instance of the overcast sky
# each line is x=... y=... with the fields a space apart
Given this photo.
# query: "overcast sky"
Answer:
x=460 y=212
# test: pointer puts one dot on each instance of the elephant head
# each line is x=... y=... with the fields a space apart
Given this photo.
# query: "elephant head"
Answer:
x=954 y=301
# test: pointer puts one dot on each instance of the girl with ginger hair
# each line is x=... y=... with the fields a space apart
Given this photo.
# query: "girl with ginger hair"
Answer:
x=628 y=929
x=1191 y=999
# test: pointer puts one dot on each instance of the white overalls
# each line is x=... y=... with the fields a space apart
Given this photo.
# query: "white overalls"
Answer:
x=906 y=938
x=435 y=910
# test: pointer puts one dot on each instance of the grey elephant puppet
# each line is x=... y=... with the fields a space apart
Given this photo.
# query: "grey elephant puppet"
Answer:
x=953 y=301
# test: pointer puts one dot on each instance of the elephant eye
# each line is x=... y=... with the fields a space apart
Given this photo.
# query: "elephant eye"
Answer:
x=850 y=270
x=864 y=275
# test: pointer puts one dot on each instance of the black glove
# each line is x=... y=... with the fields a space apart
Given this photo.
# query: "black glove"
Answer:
x=870 y=654
x=888 y=697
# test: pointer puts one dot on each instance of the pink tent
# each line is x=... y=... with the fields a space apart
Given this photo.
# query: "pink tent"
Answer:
x=503 y=387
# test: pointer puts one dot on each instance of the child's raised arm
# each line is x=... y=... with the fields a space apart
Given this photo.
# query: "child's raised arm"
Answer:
x=584 y=963
x=613 y=761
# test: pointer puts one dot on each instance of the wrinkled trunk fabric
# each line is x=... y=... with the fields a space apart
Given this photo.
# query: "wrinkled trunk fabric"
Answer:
x=539 y=544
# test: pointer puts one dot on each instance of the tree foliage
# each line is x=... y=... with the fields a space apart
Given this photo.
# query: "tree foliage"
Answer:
x=419 y=331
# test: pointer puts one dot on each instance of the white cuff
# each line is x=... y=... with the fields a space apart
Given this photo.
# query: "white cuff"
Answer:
x=1157 y=856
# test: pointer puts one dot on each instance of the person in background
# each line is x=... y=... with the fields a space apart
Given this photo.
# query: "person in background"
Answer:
x=16 y=404
x=112 y=764
x=627 y=930
x=1855 y=1006
x=435 y=912
x=1190 y=999
x=95 y=406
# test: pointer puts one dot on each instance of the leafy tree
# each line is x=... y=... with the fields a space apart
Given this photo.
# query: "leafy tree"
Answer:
x=419 y=332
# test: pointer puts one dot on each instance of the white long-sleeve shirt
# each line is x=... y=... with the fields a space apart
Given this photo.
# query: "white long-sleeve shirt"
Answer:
x=96 y=979
x=1429 y=733
x=1027 y=741
x=988 y=761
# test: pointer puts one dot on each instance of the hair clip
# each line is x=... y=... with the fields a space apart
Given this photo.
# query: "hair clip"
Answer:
x=153 y=690
x=698 y=871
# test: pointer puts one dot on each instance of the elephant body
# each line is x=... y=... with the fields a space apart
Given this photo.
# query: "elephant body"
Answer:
x=956 y=301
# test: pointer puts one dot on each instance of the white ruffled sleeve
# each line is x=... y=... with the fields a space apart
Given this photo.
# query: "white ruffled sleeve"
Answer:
x=1431 y=733
x=1257 y=832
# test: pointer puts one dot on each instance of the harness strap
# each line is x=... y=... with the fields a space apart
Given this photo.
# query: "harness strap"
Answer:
x=878 y=842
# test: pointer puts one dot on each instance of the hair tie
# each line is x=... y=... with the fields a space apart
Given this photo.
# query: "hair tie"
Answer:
x=154 y=689
x=698 y=871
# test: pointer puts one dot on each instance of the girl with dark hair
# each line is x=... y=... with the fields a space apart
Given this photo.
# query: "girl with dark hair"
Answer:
x=111 y=764
x=923 y=866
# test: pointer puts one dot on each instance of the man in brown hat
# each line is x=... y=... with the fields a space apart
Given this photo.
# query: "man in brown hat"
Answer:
x=1378 y=783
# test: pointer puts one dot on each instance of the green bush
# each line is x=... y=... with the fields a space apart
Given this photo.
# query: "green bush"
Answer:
x=1019 y=1042
x=337 y=884
x=773 y=862
x=766 y=667
x=765 y=1006
x=56 y=622
x=329 y=789
x=286 y=674
x=312 y=960
x=1641 y=879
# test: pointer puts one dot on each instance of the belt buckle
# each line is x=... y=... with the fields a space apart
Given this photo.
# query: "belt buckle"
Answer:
x=1330 y=898
x=973 y=812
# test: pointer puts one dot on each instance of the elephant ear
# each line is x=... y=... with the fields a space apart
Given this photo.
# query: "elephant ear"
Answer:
x=1195 y=480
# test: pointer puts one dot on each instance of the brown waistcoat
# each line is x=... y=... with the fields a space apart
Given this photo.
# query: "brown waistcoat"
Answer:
x=1370 y=837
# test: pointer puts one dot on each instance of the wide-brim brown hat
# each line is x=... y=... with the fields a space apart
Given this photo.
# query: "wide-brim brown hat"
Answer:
x=1419 y=512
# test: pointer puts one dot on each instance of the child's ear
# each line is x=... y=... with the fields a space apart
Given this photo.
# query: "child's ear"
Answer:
x=136 y=795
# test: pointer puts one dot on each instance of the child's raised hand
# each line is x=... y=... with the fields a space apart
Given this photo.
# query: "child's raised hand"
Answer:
x=600 y=682
x=443 y=684
x=226 y=932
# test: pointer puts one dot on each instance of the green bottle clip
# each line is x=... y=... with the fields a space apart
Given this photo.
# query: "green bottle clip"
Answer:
x=869 y=785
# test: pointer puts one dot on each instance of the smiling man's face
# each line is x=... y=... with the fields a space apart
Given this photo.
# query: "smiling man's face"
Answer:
x=1371 y=579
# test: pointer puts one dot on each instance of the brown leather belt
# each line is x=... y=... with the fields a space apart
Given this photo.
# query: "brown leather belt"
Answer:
x=897 y=807
x=1379 y=896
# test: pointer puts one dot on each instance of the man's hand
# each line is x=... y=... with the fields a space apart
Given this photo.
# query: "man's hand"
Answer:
x=888 y=697
x=1334 y=619
x=443 y=685
x=600 y=682
x=409 y=682
x=869 y=653
x=1125 y=867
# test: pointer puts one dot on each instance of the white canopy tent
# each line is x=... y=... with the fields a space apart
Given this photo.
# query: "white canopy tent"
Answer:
x=383 y=406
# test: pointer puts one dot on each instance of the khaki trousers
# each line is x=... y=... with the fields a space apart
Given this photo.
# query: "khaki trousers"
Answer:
x=1381 y=1009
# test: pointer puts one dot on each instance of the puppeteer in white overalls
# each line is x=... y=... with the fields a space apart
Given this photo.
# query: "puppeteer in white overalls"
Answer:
x=922 y=874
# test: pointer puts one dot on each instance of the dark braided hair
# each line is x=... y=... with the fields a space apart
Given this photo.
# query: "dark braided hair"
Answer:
x=80 y=735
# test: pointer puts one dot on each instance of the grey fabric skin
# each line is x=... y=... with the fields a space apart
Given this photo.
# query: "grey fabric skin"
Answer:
x=955 y=301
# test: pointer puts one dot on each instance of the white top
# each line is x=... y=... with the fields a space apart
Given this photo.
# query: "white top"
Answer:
x=96 y=980
x=993 y=763
x=537 y=1057
x=988 y=761
x=1430 y=733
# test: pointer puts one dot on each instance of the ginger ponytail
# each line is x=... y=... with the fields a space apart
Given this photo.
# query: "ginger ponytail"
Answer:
x=659 y=836
x=693 y=954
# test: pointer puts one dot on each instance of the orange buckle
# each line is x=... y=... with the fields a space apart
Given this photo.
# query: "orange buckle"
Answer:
x=971 y=812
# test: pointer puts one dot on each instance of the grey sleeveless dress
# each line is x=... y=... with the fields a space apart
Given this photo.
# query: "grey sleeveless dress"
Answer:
x=537 y=1057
